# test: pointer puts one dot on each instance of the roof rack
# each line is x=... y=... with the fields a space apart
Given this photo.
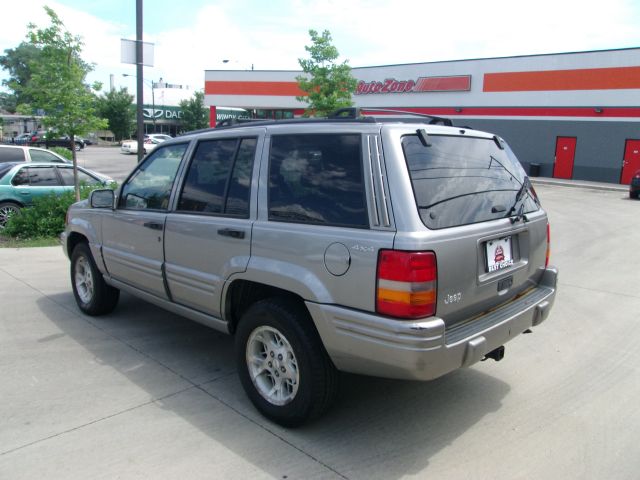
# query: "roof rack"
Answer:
x=353 y=112
x=347 y=115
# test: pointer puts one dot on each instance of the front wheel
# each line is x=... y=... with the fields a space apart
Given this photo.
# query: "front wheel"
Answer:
x=93 y=295
x=7 y=210
x=282 y=363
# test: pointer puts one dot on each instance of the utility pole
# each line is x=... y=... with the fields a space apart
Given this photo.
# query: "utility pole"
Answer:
x=139 y=73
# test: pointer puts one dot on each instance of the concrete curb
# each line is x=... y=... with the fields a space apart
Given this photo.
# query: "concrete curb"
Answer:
x=579 y=184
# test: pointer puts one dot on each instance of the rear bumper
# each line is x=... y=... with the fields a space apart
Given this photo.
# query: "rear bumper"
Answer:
x=368 y=344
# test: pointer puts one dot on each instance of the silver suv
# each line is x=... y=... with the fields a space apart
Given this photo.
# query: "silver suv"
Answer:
x=394 y=247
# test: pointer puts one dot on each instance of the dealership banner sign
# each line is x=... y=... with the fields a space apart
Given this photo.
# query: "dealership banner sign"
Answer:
x=459 y=83
x=164 y=113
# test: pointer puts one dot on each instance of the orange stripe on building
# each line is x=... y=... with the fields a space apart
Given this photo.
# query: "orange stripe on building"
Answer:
x=443 y=84
x=277 y=89
x=580 y=79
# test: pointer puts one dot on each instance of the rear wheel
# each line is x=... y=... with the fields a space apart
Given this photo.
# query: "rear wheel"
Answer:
x=92 y=294
x=7 y=210
x=282 y=363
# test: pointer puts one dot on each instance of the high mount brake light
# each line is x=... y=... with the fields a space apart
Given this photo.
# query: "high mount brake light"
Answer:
x=407 y=284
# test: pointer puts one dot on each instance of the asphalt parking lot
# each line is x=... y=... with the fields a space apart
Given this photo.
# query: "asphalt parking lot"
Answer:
x=107 y=160
x=142 y=393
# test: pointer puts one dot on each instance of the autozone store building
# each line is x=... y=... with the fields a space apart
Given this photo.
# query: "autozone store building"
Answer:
x=568 y=115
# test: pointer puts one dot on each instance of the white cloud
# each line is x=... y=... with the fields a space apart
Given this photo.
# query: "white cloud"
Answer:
x=371 y=32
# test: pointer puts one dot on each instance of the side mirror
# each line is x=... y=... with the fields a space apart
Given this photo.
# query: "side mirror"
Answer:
x=103 y=198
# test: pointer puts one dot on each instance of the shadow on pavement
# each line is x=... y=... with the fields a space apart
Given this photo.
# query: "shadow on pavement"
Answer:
x=378 y=428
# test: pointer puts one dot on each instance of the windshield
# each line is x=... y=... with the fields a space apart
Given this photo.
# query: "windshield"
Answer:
x=462 y=180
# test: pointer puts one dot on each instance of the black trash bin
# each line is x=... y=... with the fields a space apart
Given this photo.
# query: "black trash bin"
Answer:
x=534 y=169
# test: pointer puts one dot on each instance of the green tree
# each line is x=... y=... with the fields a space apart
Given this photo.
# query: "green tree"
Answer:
x=115 y=106
x=57 y=84
x=328 y=86
x=16 y=62
x=194 y=113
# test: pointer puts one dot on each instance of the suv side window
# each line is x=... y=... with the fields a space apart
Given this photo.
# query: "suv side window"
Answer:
x=219 y=178
x=150 y=186
x=317 y=179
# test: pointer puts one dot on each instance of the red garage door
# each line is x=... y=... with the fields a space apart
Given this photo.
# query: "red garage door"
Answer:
x=565 y=154
x=631 y=162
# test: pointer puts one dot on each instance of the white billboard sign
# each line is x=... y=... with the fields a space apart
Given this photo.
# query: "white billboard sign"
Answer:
x=128 y=52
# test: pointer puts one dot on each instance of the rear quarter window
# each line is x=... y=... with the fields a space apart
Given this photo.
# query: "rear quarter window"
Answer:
x=317 y=179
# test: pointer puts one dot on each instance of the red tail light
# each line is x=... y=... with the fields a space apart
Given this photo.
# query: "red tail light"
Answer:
x=546 y=260
x=407 y=283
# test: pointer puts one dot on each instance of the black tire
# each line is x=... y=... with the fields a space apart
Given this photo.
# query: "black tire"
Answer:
x=7 y=209
x=317 y=377
x=92 y=294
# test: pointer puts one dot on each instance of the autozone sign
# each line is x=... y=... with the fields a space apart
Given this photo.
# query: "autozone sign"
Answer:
x=457 y=83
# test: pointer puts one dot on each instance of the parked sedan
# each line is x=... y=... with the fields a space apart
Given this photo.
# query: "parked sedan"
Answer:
x=19 y=153
x=150 y=142
x=21 y=183
x=634 y=186
x=22 y=138
x=64 y=141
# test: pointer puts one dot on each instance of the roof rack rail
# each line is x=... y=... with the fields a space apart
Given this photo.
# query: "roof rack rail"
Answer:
x=350 y=114
x=228 y=122
x=434 y=120
x=355 y=113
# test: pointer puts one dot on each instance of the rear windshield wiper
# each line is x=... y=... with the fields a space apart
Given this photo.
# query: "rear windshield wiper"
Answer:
x=521 y=191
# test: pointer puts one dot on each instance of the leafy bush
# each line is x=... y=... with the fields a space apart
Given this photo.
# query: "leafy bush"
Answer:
x=46 y=217
x=63 y=152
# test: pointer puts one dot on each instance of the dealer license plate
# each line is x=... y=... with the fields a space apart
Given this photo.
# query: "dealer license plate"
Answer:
x=499 y=254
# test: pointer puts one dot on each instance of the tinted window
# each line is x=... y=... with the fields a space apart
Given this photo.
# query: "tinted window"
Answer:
x=317 y=179
x=462 y=180
x=42 y=156
x=21 y=177
x=11 y=154
x=219 y=177
x=4 y=168
x=150 y=185
x=83 y=178
x=43 y=177
x=237 y=199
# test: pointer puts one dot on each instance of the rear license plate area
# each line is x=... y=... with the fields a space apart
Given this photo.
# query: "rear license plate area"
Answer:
x=499 y=254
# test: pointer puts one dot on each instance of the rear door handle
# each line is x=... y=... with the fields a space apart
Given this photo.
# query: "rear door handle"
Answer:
x=153 y=225
x=229 y=232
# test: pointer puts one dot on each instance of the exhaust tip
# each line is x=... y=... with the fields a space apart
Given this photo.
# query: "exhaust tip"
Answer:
x=497 y=354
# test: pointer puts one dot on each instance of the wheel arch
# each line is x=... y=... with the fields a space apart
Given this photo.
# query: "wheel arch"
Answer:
x=73 y=240
x=242 y=294
x=14 y=202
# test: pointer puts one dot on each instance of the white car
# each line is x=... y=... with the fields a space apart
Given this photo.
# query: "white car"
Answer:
x=22 y=153
x=150 y=142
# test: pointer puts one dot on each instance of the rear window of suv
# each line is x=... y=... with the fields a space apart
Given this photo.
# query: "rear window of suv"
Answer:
x=460 y=180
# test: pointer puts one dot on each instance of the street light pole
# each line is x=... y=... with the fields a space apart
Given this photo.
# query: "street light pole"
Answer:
x=153 y=106
x=153 y=100
x=139 y=72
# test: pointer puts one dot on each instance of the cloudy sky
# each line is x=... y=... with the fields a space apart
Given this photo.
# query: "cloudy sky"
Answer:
x=191 y=36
